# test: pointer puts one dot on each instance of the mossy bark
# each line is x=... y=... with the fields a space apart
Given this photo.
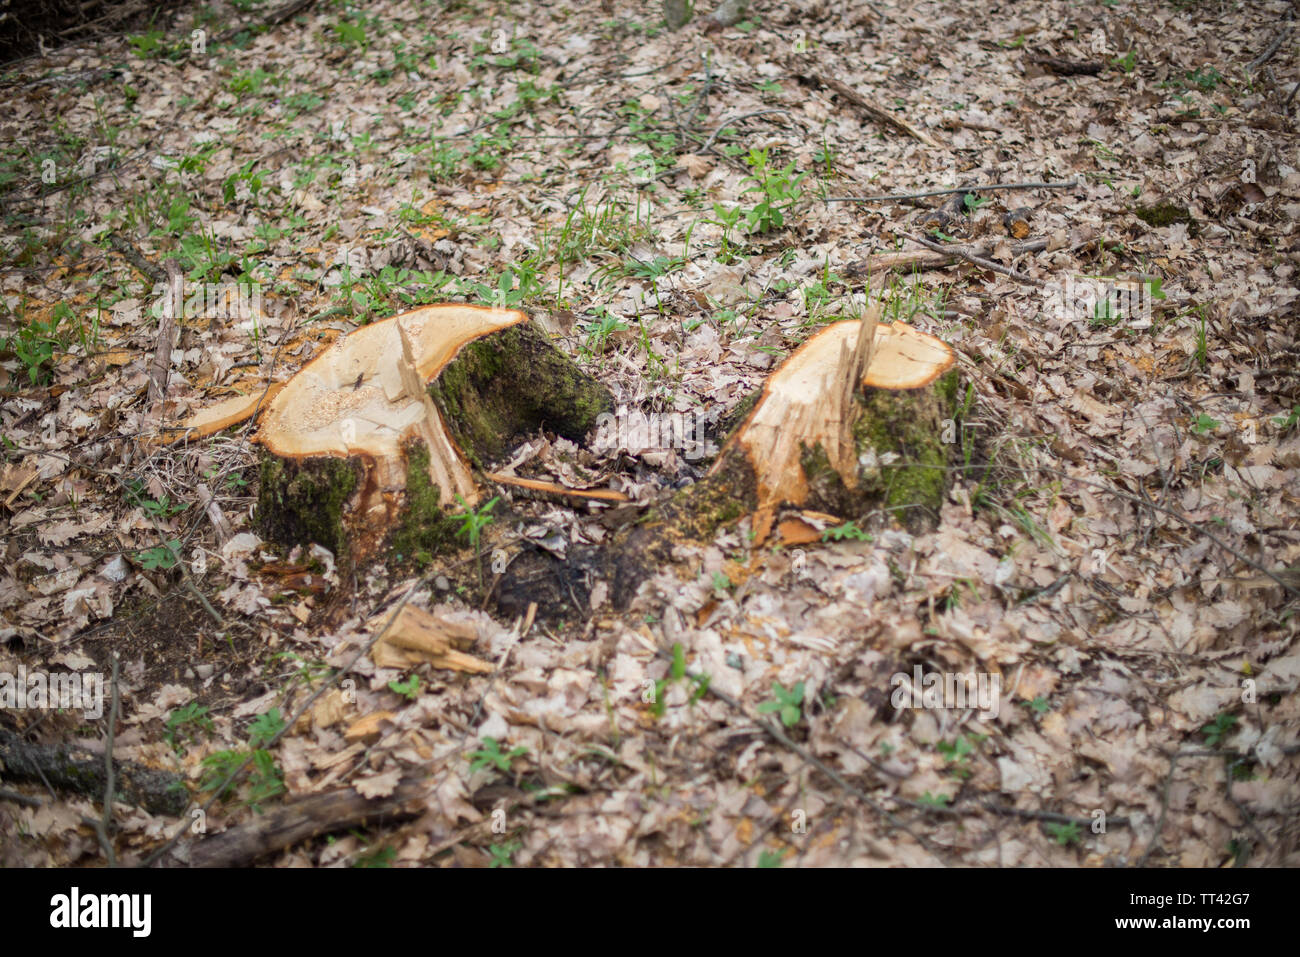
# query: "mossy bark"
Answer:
x=511 y=383
x=301 y=501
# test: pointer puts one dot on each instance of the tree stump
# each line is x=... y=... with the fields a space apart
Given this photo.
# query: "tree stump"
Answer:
x=370 y=442
x=856 y=422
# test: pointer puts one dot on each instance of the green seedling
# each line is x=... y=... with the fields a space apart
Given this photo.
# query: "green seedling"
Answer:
x=787 y=703
x=490 y=754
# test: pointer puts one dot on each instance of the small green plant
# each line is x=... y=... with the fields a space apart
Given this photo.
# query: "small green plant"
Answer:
x=934 y=800
x=1064 y=833
x=306 y=670
x=778 y=190
x=184 y=725
x=490 y=753
x=1039 y=705
x=1126 y=62
x=1288 y=422
x=35 y=343
x=676 y=673
x=265 y=779
x=409 y=689
x=1202 y=353
x=1206 y=77
x=1218 y=729
x=350 y=34
x=148 y=44
x=473 y=521
x=847 y=530
x=379 y=857
x=263 y=729
x=957 y=754
x=1104 y=313
x=600 y=329
x=788 y=703
x=161 y=556
x=503 y=854
x=729 y=220
x=1204 y=423
x=771 y=858
x=161 y=508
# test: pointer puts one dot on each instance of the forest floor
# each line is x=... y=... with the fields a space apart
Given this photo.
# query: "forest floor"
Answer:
x=1118 y=556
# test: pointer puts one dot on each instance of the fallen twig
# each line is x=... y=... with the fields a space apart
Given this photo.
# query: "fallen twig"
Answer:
x=63 y=767
x=131 y=253
x=307 y=818
x=1269 y=50
x=160 y=366
x=735 y=119
x=17 y=798
x=105 y=822
x=1068 y=67
x=866 y=106
x=976 y=260
x=986 y=187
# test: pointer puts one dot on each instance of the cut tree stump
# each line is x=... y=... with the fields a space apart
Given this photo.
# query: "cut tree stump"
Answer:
x=371 y=441
x=857 y=422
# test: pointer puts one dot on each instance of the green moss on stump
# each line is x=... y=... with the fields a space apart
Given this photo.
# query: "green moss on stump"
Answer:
x=424 y=525
x=302 y=501
x=512 y=383
x=907 y=427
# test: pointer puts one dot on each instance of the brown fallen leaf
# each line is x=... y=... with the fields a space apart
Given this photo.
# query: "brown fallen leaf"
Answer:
x=367 y=726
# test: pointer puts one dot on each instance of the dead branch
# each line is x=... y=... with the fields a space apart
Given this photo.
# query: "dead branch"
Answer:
x=66 y=769
x=977 y=260
x=862 y=103
x=1068 y=67
x=983 y=188
x=306 y=818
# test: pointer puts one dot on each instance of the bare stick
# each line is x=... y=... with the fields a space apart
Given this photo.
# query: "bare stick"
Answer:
x=307 y=818
x=977 y=260
x=131 y=254
x=927 y=259
x=160 y=367
x=17 y=798
x=873 y=111
x=1272 y=48
x=1068 y=67
x=105 y=822
x=944 y=192
x=735 y=119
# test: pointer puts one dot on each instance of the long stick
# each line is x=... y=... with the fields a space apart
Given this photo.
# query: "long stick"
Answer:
x=977 y=260
x=944 y=192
